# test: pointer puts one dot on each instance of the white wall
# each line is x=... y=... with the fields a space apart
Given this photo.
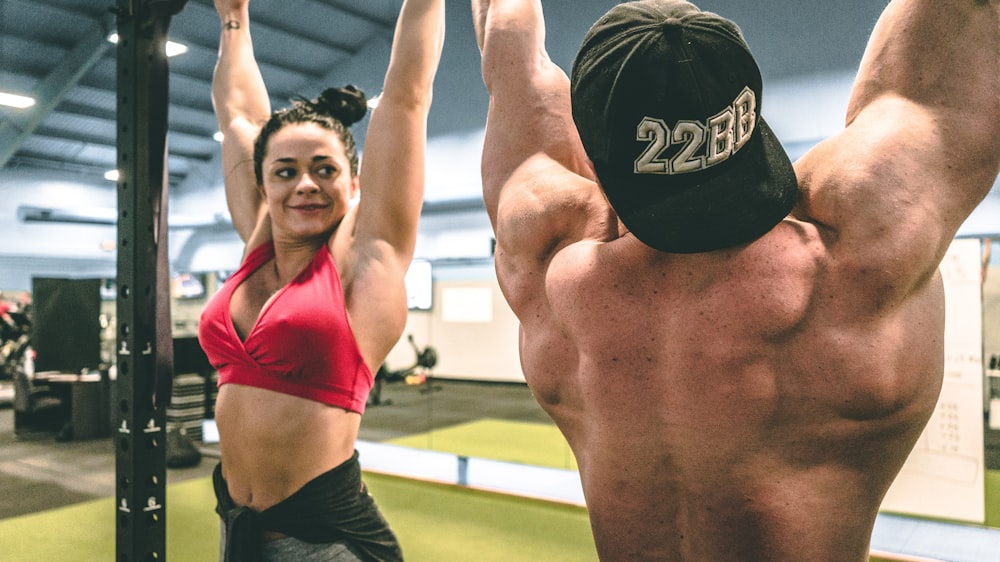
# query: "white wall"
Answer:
x=54 y=189
x=49 y=249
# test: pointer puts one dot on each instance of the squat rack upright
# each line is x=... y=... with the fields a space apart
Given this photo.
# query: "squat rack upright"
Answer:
x=144 y=346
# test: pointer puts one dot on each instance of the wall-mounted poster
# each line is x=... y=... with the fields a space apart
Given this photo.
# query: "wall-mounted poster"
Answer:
x=944 y=475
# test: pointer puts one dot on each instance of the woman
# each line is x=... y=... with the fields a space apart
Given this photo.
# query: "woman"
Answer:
x=319 y=300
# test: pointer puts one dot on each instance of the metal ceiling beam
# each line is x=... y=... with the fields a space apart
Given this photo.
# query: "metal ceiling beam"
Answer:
x=84 y=140
x=93 y=172
x=362 y=15
x=53 y=87
x=373 y=53
x=337 y=5
x=271 y=23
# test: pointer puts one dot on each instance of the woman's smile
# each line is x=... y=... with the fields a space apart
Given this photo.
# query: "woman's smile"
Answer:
x=309 y=207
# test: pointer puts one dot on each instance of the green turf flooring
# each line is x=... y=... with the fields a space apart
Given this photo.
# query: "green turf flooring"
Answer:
x=536 y=444
x=434 y=523
x=993 y=498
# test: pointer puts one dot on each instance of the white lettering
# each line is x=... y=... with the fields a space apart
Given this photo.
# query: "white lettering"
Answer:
x=656 y=133
x=720 y=136
x=702 y=144
x=746 y=117
x=693 y=135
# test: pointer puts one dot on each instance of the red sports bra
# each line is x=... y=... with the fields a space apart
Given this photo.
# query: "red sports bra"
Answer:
x=301 y=344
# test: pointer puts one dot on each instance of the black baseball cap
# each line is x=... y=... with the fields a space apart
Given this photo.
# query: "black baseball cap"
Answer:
x=666 y=98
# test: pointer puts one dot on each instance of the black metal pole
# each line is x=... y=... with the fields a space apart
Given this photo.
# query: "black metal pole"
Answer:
x=144 y=343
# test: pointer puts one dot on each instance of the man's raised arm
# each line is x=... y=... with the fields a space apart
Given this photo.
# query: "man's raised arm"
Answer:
x=922 y=143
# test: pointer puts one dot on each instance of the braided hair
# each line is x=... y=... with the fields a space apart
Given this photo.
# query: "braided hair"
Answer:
x=336 y=109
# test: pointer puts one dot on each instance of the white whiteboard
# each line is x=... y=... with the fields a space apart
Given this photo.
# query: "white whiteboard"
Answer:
x=944 y=475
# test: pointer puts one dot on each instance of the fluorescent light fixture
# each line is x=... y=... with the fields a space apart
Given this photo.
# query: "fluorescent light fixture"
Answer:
x=111 y=175
x=173 y=48
x=14 y=100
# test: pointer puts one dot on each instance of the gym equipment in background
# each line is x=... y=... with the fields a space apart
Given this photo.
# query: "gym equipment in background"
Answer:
x=417 y=373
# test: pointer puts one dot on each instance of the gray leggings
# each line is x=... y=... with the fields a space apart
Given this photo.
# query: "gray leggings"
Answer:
x=291 y=549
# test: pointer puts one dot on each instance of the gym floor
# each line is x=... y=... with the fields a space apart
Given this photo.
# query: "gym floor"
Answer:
x=39 y=472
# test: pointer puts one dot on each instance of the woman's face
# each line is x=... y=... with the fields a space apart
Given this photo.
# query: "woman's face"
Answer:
x=307 y=180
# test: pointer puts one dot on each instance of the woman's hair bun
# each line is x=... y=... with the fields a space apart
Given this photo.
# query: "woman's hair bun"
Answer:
x=348 y=104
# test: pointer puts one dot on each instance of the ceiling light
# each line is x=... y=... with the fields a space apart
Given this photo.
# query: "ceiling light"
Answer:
x=172 y=48
x=111 y=175
x=14 y=100
x=217 y=137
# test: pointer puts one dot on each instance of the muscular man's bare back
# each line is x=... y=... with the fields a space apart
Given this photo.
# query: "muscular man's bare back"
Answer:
x=755 y=400
x=716 y=395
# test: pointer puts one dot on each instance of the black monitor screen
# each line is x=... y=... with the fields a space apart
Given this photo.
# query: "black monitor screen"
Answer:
x=189 y=357
x=66 y=325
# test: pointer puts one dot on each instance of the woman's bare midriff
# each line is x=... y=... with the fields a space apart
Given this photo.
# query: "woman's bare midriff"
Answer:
x=272 y=444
